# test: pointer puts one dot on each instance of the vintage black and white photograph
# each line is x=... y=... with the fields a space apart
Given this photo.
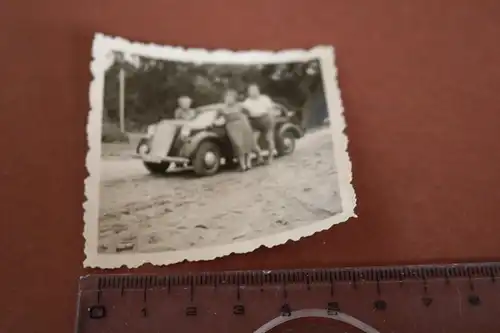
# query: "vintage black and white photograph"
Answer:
x=197 y=154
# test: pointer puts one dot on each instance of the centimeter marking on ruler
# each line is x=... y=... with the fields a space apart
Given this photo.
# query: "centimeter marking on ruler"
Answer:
x=353 y=276
x=300 y=276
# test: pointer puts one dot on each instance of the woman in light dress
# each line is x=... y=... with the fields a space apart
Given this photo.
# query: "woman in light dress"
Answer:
x=238 y=129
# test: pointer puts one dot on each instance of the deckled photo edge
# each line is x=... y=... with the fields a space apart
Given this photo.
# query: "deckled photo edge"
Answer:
x=340 y=141
x=103 y=44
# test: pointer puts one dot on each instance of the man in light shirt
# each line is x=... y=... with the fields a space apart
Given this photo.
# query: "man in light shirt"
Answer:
x=259 y=108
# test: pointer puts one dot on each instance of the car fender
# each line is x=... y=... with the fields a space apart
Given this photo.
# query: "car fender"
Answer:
x=191 y=145
x=296 y=130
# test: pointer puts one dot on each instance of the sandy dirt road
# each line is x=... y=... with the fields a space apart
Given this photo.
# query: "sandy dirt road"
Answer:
x=140 y=212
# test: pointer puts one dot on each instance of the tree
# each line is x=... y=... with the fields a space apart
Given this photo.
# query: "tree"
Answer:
x=154 y=85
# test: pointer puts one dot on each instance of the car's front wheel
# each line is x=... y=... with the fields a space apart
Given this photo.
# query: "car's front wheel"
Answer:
x=285 y=143
x=157 y=168
x=207 y=159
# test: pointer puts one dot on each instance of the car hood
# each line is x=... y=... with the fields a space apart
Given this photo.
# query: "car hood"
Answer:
x=202 y=121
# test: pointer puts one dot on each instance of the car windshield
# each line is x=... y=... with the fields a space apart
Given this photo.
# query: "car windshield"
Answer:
x=205 y=117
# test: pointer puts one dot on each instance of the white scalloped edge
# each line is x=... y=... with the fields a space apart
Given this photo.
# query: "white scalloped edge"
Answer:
x=103 y=45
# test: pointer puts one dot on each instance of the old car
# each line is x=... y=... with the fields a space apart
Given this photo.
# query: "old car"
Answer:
x=202 y=143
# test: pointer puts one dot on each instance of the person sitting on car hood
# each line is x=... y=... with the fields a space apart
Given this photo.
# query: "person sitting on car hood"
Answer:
x=184 y=110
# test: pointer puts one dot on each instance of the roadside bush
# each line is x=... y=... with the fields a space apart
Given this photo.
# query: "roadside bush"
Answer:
x=111 y=134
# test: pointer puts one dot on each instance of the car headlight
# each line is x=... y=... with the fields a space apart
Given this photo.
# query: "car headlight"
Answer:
x=151 y=130
x=143 y=149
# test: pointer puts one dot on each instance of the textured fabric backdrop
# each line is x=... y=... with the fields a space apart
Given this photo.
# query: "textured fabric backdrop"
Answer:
x=420 y=83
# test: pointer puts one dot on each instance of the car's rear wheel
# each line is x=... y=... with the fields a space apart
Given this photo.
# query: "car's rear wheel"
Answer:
x=157 y=168
x=207 y=159
x=285 y=143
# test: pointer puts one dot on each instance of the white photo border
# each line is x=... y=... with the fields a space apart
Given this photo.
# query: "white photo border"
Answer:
x=102 y=48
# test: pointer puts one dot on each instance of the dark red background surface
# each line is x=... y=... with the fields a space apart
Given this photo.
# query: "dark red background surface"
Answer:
x=420 y=82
